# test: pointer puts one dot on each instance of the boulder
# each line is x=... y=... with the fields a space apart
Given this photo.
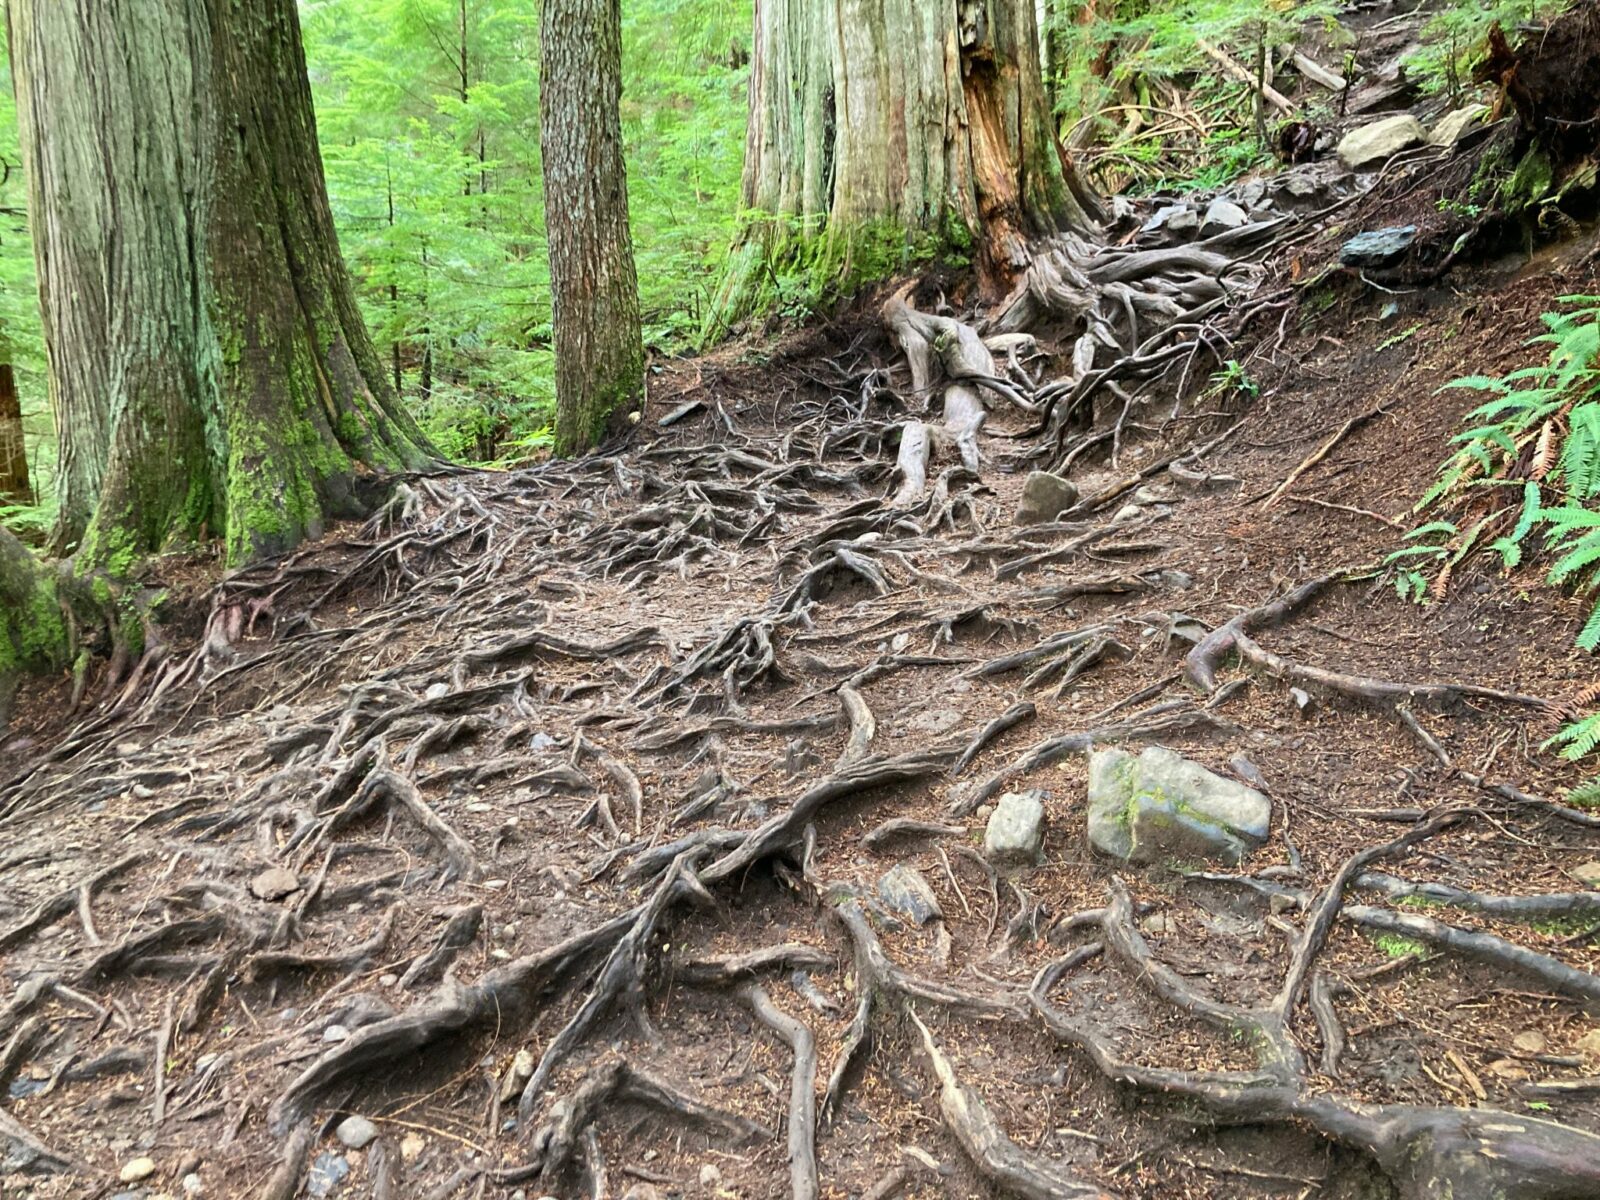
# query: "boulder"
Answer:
x=1448 y=129
x=1159 y=806
x=1015 y=833
x=1378 y=248
x=906 y=893
x=1222 y=215
x=1371 y=144
x=1045 y=497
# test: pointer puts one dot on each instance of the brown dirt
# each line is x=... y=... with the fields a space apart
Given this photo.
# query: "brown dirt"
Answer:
x=183 y=782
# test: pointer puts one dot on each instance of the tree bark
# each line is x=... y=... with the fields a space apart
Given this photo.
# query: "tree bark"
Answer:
x=595 y=293
x=15 y=487
x=209 y=367
x=880 y=128
x=33 y=632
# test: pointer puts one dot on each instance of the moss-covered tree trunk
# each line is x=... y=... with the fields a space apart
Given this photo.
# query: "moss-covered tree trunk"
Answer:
x=883 y=129
x=599 y=350
x=209 y=368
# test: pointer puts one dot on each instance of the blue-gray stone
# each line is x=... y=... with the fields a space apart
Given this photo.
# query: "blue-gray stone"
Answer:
x=906 y=893
x=1159 y=806
x=327 y=1172
x=1379 y=248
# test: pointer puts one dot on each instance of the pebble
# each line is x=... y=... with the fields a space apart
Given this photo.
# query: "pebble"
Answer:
x=1158 y=924
x=274 y=884
x=328 y=1171
x=1589 y=1045
x=388 y=980
x=494 y=884
x=710 y=1177
x=412 y=1145
x=335 y=1033
x=1507 y=1068
x=1530 y=1041
x=355 y=1132
x=1128 y=512
x=1588 y=874
x=136 y=1169
x=641 y=1191
x=192 y=1186
x=436 y=691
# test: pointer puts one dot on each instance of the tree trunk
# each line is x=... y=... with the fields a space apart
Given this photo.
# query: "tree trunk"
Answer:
x=33 y=632
x=209 y=367
x=14 y=485
x=879 y=129
x=595 y=294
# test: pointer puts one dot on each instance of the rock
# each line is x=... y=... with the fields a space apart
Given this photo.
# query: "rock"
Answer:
x=1248 y=771
x=192 y=1186
x=412 y=1145
x=1158 y=925
x=388 y=980
x=335 y=1033
x=1378 y=248
x=436 y=691
x=355 y=1132
x=1530 y=1041
x=935 y=721
x=641 y=1191
x=905 y=891
x=1015 y=833
x=328 y=1171
x=517 y=1074
x=1159 y=220
x=1045 y=497
x=710 y=1177
x=1302 y=701
x=1589 y=1046
x=1448 y=129
x=1160 y=806
x=1185 y=224
x=1509 y=1069
x=1372 y=144
x=1588 y=874
x=274 y=884
x=1221 y=216
x=1128 y=512
x=136 y=1169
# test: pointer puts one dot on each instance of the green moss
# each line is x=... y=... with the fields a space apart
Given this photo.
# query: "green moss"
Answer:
x=1397 y=946
x=1419 y=902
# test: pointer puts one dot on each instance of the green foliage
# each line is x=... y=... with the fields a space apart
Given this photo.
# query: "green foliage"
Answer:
x=1455 y=36
x=1537 y=437
x=435 y=178
x=1232 y=379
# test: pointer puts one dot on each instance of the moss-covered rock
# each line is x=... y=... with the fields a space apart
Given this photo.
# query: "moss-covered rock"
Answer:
x=1159 y=806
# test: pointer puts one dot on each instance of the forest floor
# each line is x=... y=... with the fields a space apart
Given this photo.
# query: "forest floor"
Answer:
x=468 y=742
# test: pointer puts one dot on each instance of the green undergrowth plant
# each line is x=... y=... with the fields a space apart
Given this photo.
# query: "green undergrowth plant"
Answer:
x=1522 y=485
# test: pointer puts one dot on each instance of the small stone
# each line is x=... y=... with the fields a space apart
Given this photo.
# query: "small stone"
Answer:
x=1044 y=498
x=494 y=885
x=1508 y=1069
x=335 y=1033
x=1589 y=1046
x=136 y=1169
x=1185 y=224
x=984 y=812
x=355 y=1132
x=1588 y=874
x=274 y=884
x=906 y=892
x=1530 y=1041
x=1014 y=835
x=1450 y=128
x=1159 y=805
x=641 y=1191
x=517 y=1074
x=411 y=1145
x=1128 y=512
x=192 y=1185
x=388 y=980
x=436 y=691
x=1378 y=248
x=1158 y=925
x=1302 y=701
x=500 y=954
x=1221 y=216
x=1374 y=143
x=710 y=1177
x=328 y=1171
x=1159 y=220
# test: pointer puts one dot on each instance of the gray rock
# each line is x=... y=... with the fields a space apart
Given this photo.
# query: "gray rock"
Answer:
x=1378 y=248
x=335 y=1033
x=274 y=884
x=1372 y=144
x=1159 y=220
x=906 y=893
x=1015 y=833
x=328 y=1171
x=1221 y=216
x=1449 y=129
x=1185 y=224
x=355 y=1132
x=1045 y=497
x=1128 y=512
x=1159 y=806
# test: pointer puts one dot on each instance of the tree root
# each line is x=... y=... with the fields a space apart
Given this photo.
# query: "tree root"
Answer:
x=733 y=969
x=802 y=1094
x=459 y=932
x=59 y=905
x=996 y=1157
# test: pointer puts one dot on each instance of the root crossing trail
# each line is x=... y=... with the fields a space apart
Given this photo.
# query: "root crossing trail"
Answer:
x=616 y=827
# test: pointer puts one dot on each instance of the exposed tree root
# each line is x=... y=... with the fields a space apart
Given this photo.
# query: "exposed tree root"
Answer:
x=803 y=1184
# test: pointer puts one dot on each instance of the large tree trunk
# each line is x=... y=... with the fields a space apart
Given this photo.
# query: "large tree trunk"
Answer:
x=599 y=350
x=881 y=128
x=209 y=368
x=14 y=485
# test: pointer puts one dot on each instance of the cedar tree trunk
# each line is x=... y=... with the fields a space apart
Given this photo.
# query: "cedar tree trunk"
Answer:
x=14 y=485
x=883 y=129
x=209 y=368
x=594 y=290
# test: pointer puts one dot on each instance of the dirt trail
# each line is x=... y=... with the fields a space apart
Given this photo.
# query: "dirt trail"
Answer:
x=512 y=782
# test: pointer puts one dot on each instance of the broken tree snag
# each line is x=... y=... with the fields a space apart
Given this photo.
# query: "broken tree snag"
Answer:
x=994 y=1155
x=802 y=1092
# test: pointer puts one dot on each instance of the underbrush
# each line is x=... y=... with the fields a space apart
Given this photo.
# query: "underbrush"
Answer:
x=1522 y=486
